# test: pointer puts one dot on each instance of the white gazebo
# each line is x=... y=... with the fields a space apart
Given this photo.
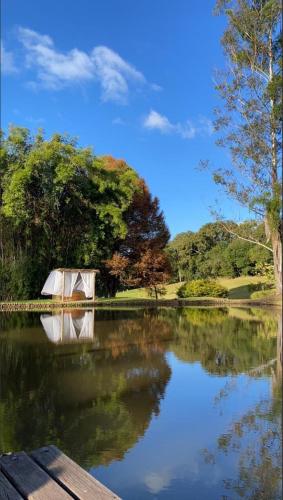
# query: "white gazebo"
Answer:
x=69 y=327
x=71 y=283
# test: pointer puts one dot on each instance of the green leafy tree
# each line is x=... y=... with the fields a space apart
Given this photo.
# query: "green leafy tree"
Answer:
x=60 y=206
x=213 y=251
x=177 y=253
x=250 y=120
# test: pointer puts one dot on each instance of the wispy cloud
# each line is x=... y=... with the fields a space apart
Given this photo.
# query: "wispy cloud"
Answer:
x=156 y=87
x=206 y=125
x=114 y=73
x=55 y=69
x=187 y=130
x=157 y=481
x=7 y=61
x=35 y=121
x=118 y=121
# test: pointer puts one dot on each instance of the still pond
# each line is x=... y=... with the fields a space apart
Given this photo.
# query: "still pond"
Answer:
x=156 y=404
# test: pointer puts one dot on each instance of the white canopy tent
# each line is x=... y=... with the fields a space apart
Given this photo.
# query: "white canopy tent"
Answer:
x=66 y=281
x=67 y=327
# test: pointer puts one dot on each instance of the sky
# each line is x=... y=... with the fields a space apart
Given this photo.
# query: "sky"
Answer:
x=131 y=79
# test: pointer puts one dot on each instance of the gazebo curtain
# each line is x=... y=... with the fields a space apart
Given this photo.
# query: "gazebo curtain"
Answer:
x=66 y=328
x=70 y=281
x=53 y=284
x=74 y=281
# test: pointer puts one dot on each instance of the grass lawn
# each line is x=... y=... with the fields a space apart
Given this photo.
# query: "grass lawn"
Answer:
x=238 y=289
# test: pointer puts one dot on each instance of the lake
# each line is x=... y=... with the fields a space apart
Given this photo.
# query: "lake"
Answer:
x=156 y=404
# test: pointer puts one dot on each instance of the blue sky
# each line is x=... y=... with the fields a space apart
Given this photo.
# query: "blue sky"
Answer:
x=132 y=79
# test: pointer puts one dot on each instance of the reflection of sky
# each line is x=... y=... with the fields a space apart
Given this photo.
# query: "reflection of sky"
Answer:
x=168 y=462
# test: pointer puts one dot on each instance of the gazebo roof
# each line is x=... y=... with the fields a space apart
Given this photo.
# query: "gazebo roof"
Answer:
x=75 y=270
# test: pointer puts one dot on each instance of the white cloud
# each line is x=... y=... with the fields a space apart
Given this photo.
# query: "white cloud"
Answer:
x=114 y=73
x=155 y=121
x=187 y=130
x=7 y=61
x=158 y=481
x=55 y=69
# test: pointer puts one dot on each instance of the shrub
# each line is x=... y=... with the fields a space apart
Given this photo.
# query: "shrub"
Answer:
x=261 y=286
x=261 y=294
x=202 y=288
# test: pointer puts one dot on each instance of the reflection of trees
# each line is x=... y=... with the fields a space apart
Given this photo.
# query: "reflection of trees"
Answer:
x=255 y=440
x=259 y=465
x=95 y=400
x=223 y=343
x=82 y=398
x=146 y=330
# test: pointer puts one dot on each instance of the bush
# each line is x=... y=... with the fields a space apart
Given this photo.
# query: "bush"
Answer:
x=261 y=294
x=202 y=288
x=261 y=286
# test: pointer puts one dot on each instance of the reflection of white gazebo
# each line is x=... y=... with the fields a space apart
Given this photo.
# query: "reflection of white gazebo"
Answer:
x=71 y=283
x=76 y=326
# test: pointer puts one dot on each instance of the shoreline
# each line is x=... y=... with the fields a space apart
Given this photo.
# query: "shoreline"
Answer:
x=270 y=302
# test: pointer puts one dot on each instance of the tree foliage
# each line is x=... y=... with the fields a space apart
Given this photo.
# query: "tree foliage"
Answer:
x=60 y=205
x=250 y=119
x=140 y=260
x=213 y=251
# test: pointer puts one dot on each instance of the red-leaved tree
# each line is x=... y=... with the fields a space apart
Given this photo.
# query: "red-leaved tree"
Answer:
x=140 y=260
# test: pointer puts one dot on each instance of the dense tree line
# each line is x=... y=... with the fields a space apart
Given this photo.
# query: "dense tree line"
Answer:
x=213 y=251
x=62 y=206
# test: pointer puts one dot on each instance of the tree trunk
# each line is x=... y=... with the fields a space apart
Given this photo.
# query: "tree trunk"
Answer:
x=276 y=234
x=277 y=259
x=279 y=348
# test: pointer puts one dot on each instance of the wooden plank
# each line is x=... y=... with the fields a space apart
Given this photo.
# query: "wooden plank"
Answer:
x=29 y=479
x=71 y=475
x=75 y=270
x=7 y=491
x=93 y=296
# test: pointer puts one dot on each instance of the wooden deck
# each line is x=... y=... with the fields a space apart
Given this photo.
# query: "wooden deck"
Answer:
x=47 y=474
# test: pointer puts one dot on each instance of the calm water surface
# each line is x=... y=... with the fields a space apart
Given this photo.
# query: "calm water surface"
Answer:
x=161 y=404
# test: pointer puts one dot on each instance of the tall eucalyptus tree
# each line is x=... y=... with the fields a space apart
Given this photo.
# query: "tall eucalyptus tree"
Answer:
x=250 y=119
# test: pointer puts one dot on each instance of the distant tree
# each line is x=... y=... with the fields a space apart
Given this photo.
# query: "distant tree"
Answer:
x=152 y=271
x=139 y=260
x=213 y=251
x=177 y=251
x=250 y=120
x=146 y=227
x=191 y=250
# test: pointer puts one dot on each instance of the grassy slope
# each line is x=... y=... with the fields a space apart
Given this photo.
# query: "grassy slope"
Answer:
x=238 y=289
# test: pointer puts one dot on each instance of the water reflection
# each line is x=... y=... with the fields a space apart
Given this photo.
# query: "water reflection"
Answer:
x=95 y=399
x=69 y=326
x=160 y=404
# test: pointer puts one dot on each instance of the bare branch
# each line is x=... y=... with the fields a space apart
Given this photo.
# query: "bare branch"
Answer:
x=259 y=369
x=250 y=240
